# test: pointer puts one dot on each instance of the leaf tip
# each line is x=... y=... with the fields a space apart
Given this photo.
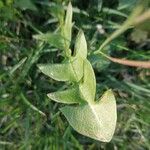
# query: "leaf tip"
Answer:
x=70 y=6
x=110 y=93
x=39 y=66
x=50 y=95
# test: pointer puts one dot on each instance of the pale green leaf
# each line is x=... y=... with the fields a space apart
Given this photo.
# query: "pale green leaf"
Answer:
x=67 y=27
x=81 y=46
x=128 y=5
x=59 y=72
x=69 y=71
x=77 y=66
x=97 y=120
x=88 y=86
x=55 y=40
x=69 y=96
x=110 y=11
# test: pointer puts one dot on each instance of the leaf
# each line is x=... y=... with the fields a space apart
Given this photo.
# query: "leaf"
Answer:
x=128 y=5
x=69 y=96
x=81 y=46
x=97 y=120
x=18 y=65
x=67 y=28
x=77 y=66
x=110 y=11
x=59 y=72
x=57 y=11
x=55 y=40
x=69 y=71
x=25 y=4
x=99 y=5
x=88 y=86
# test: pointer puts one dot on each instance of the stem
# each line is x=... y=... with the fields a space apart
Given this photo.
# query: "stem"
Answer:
x=134 y=19
x=132 y=63
x=123 y=28
x=145 y=16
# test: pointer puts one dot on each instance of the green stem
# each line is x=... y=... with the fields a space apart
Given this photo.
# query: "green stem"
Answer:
x=123 y=28
x=30 y=105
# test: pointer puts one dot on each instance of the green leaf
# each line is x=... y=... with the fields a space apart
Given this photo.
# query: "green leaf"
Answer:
x=69 y=71
x=67 y=28
x=81 y=46
x=70 y=96
x=88 y=86
x=59 y=72
x=25 y=4
x=77 y=66
x=57 y=11
x=97 y=120
x=127 y=5
x=18 y=65
x=55 y=40
x=110 y=11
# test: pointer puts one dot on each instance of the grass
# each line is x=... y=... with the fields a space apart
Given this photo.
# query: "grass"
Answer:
x=28 y=119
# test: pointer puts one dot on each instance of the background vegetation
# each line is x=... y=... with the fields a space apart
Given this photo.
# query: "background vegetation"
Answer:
x=28 y=119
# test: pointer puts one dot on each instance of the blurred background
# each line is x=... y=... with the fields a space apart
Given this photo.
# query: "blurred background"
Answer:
x=29 y=120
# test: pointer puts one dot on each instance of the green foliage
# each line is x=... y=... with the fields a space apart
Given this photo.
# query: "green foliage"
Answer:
x=88 y=85
x=67 y=29
x=90 y=118
x=7 y=12
x=25 y=4
x=81 y=46
x=54 y=39
x=28 y=118
x=127 y=5
x=69 y=96
x=97 y=120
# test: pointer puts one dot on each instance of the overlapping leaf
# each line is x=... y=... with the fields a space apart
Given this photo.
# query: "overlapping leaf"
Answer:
x=88 y=86
x=72 y=70
x=67 y=27
x=65 y=71
x=69 y=96
x=95 y=119
x=53 y=39
x=81 y=45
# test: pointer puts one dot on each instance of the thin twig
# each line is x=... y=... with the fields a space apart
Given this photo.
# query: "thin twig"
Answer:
x=145 y=16
x=132 y=63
